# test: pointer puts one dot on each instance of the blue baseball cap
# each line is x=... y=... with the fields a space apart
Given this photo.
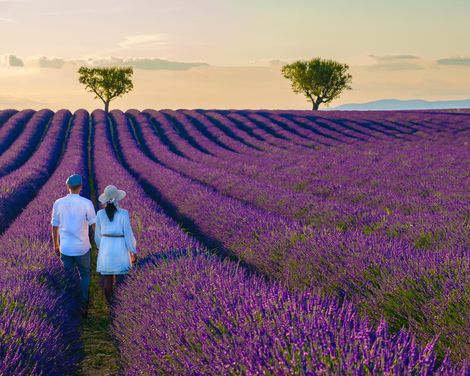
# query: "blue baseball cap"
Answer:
x=74 y=180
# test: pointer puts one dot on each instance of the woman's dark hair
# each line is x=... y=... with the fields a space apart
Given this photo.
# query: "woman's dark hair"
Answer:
x=110 y=210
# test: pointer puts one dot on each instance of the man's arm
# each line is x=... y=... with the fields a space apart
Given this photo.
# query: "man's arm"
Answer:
x=91 y=216
x=55 y=239
x=55 y=222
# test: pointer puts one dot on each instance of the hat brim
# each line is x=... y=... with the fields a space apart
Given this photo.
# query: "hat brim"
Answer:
x=103 y=198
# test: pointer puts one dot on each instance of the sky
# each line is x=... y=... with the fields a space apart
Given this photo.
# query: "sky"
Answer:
x=396 y=49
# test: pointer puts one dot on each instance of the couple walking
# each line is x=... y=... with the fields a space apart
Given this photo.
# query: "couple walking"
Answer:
x=72 y=216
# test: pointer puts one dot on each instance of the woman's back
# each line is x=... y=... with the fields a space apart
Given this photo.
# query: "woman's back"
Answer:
x=117 y=225
x=115 y=240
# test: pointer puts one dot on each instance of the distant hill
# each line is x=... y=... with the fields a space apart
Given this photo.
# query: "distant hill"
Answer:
x=397 y=104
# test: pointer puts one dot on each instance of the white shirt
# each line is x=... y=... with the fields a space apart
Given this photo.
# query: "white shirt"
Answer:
x=73 y=214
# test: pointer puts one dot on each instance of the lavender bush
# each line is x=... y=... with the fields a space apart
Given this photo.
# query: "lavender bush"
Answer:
x=39 y=321
x=341 y=261
x=198 y=316
x=13 y=127
x=155 y=232
x=230 y=316
x=5 y=115
x=356 y=224
x=20 y=186
x=294 y=205
x=25 y=144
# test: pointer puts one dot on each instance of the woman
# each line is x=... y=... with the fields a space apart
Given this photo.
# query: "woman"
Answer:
x=114 y=238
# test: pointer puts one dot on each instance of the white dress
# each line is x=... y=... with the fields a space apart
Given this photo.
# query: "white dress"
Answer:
x=113 y=251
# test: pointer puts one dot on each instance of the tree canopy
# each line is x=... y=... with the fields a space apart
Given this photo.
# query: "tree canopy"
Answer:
x=321 y=81
x=107 y=83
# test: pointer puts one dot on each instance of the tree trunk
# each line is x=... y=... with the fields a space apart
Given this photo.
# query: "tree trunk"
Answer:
x=106 y=106
x=317 y=103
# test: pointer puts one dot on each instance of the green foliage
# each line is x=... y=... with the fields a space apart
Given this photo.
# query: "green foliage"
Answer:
x=425 y=240
x=321 y=81
x=107 y=83
x=342 y=226
x=369 y=229
x=397 y=229
x=424 y=304
x=300 y=186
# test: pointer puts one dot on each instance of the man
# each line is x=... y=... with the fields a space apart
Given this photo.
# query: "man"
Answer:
x=71 y=217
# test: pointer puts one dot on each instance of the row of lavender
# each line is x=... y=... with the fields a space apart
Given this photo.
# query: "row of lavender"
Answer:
x=39 y=321
x=417 y=194
x=19 y=186
x=314 y=209
x=183 y=311
x=23 y=146
x=5 y=115
x=332 y=187
x=183 y=156
x=212 y=138
x=13 y=124
x=318 y=207
x=412 y=286
x=241 y=132
x=270 y=197
x=429 y=211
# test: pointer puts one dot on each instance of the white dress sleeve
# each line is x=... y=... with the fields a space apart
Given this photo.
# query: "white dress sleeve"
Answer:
x=129 y=237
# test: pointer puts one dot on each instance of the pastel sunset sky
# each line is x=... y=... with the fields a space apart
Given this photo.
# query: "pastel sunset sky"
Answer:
x=235 y=49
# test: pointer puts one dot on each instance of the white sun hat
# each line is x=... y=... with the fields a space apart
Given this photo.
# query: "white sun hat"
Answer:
x=111 y=195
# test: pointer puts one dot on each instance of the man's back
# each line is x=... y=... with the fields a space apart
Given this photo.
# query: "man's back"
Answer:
x=73 y=214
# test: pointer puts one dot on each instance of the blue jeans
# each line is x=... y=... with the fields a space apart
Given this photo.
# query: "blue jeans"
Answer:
x=82 y=263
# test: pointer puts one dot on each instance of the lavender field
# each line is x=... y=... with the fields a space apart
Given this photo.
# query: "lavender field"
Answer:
x=270 y=242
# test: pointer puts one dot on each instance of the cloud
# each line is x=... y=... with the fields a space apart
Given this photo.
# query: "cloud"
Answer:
x=385 y=62
x=145 y=41
x=10 y=60
x=458 y=61
x=268 y=62
x=396 y=67
x=159 y=64
x=140 y=63
x=394 y=58
x=47 y=62
x=396 y=62
x=44 y=62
